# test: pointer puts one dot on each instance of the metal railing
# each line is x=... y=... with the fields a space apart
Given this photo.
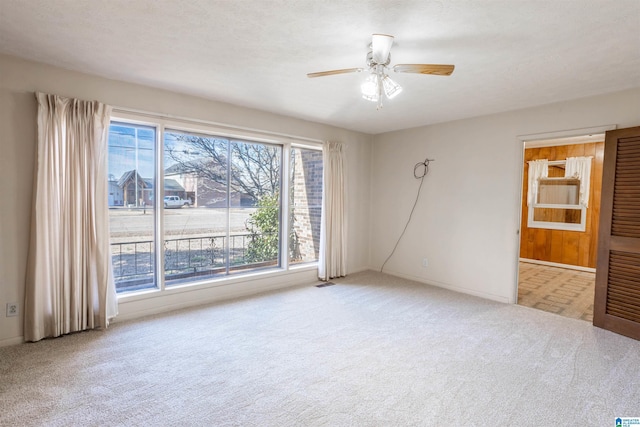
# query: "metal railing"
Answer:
x=133 y=262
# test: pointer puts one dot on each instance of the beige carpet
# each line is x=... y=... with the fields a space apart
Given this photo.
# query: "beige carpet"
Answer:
x=372 y=350
x=561 y=291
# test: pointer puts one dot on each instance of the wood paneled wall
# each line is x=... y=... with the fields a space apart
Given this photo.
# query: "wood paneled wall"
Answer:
x=564 y=247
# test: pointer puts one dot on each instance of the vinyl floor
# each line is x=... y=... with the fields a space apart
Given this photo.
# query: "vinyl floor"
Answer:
x=556 y=290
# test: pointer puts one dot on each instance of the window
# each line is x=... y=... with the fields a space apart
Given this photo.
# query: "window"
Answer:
x=232 y=218
x=219 y=208
x=131 y=208
x=557 y=202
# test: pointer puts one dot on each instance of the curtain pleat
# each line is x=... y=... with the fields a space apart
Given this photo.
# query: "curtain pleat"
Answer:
x=580 y=167
x=333 y=237
x=537 y=169
x=69 y=283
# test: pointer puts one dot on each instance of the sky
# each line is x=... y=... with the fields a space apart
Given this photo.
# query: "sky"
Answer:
x=133 y=147
x=124 y=139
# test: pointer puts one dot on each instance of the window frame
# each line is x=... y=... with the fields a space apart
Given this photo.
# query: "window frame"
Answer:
x=165 y=123
x=532 y=223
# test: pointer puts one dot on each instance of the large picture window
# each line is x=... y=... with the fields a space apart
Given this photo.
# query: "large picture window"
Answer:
x=189 y=207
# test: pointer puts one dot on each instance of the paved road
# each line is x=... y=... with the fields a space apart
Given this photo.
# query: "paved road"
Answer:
x=136 y=224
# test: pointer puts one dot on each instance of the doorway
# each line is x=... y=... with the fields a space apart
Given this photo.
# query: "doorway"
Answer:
x=559 y=224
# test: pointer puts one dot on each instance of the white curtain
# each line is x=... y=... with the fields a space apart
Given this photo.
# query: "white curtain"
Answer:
x=69 y=283
x=333 y=236
x=537 y=169
x=580 y=167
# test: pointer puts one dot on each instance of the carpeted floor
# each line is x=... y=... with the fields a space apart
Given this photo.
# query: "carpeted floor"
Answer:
x=371 y=350
x=561 y=291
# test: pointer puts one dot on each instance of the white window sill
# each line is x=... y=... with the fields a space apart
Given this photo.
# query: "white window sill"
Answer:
x=218 y=282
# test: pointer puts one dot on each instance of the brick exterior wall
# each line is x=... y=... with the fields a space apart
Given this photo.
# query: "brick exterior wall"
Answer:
x=306 y=202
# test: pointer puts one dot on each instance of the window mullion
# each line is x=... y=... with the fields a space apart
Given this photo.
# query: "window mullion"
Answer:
x=228 y=228
x=285 y=209
x=556 y=206
x=159 y=207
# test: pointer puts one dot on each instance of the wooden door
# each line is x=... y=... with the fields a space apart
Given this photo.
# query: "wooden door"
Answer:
x=617 y=293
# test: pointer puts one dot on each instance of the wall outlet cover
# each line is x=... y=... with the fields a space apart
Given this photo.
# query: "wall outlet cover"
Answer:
x=12 y=309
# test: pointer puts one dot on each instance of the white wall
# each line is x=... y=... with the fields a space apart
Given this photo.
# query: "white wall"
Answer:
x=20 y=79
x=467 y=219
x=465 y=222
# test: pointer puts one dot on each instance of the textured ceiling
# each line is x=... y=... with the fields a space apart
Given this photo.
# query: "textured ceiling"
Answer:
x=508 y=54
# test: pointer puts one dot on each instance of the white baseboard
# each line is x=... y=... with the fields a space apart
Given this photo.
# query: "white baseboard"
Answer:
x=555 y=264
x=360 y=269
x=450 y=287
x=11 y=341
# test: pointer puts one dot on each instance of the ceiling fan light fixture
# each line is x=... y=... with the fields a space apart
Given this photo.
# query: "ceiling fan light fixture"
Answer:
x=372 y=98
x=378 y=84
x=391 y=88
x=370 y=88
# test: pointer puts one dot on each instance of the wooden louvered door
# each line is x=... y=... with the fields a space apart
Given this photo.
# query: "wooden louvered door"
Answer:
x=617 y=293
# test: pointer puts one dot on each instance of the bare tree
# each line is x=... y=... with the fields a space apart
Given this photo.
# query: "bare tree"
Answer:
x=254 y=169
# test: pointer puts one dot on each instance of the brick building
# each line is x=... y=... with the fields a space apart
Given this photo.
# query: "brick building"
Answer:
x=306 y=203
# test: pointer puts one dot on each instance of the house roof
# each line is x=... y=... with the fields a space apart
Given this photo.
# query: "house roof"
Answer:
x=129 y=176
x=509 y=54
x=169 y=183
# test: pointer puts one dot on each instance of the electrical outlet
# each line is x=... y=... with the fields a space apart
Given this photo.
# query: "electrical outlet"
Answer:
x=425 y=263
x=12 y=309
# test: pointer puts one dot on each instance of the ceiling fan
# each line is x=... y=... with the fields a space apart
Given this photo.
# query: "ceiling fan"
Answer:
x=378 y=82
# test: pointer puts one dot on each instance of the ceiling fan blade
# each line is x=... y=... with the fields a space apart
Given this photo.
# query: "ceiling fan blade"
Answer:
x=332 y=72
x=435 y=69
x=381 y=46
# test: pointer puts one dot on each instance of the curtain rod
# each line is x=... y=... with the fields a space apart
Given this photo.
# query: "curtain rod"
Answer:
x=187 y=120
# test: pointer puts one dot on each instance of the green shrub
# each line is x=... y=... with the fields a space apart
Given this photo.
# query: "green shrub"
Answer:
x=263 y=227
